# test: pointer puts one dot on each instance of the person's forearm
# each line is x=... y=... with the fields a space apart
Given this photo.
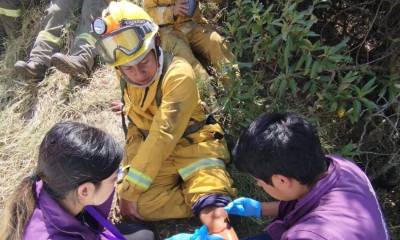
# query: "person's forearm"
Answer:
x=269 y=209
x=217 y=222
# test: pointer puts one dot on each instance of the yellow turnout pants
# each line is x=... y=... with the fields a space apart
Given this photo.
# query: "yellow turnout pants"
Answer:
x=192 y=171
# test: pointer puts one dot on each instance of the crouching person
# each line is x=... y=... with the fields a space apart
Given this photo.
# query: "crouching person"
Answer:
x=70 y=194
x=321 y=197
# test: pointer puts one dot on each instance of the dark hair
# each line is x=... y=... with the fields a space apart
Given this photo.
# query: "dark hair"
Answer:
x=70 y=154
x=280 y=143
x=73 y=153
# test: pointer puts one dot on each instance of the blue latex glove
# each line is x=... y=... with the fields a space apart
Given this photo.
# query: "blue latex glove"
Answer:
x=243 y=206
x=199 y=234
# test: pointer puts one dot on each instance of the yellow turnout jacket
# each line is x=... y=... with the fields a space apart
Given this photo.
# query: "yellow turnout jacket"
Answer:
x=156 y=133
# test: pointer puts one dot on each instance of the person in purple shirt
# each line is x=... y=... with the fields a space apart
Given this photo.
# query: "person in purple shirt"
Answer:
x=70 y=194
x=320 y=197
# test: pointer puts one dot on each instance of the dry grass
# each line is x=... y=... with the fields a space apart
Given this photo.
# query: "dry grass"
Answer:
x=29 y=111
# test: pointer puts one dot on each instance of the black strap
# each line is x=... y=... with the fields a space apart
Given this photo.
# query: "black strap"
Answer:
x=167 y=61
x=122 y=84
x=159 y=92
x=192 y=128
x=146 y=91
x=196 y=126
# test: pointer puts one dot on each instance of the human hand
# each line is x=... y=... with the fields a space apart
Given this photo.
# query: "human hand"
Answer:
x=181 y=8
x=129 y=209
x=243 y=206
x=116 y=106
x=199 y=234
x=215 y=218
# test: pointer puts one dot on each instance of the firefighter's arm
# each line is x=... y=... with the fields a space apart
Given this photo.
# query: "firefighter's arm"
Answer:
x=179 y=99
x=161 y=13
x=133 y=141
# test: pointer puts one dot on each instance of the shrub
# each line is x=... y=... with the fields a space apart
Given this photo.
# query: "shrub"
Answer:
x=329 y=61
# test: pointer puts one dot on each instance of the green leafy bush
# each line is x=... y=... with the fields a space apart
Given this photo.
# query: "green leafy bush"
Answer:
x=287 y=57
x=346 y=80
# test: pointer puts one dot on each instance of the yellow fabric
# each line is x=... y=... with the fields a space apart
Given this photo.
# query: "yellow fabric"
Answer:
x=202 y=39
x=48 y=37
x=168 y=200
x=124 y=10
x=88 y=38
x=174 y=41
x=188 y=171
x=155 y=163
x=10 y=12
x=209 y=44
x=163 y=14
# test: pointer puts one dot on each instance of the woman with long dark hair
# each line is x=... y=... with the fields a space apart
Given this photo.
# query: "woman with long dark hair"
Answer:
x=70 y=193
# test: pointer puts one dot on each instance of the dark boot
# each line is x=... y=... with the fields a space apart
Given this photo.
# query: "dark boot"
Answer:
x=72 y=65
x=30 y=69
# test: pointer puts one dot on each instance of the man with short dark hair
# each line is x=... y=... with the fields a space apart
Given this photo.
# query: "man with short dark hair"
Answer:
x=321 y=197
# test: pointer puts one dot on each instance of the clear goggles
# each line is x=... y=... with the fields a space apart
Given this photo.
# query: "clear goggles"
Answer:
x=126 y=41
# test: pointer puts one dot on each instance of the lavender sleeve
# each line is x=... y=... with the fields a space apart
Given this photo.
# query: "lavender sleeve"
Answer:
x=105 y=207
x=285 y=208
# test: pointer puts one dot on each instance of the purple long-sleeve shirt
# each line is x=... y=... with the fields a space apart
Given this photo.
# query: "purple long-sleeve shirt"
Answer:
x=341 y=205
x=50 y=221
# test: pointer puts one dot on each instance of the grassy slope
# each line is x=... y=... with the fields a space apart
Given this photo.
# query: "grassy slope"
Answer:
x=27 y=111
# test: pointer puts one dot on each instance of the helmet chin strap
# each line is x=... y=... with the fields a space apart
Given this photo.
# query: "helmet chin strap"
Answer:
x=159 y=60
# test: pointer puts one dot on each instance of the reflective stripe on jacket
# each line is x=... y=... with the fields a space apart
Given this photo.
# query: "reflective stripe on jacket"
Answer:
x=10 y=12
x=180 y=107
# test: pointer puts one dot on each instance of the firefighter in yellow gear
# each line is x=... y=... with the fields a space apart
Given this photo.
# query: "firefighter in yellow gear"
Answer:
x=45 y=52
x=175 y=155
x=10 y=11
x=175 y=42
x=10 y=19
x=183 y=18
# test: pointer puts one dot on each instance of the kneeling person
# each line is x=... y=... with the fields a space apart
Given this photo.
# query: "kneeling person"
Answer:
x=321 y=197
